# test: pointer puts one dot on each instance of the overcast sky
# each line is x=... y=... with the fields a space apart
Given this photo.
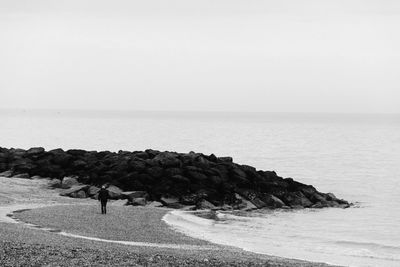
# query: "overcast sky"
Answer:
x=201 y=55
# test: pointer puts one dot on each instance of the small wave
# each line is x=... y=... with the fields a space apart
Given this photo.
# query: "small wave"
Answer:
x=369 y=245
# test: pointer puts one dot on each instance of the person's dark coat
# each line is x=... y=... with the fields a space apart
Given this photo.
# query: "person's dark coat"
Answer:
x=103 y=195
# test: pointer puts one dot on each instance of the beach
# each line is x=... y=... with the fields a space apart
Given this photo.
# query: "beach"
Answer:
x=57 y=231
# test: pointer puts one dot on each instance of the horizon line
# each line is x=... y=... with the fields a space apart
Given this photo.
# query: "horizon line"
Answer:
x=221 y=112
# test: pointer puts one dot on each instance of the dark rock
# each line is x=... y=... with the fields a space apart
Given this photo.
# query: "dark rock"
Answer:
x=212 y=158
x=316 y=197
x=154 y=204
x=238 y=172
x=138 y=165
x=196 y=176
x=173 y=171
x=308 y=191
x=68 y=182
x=215 y=180
x=188 y=178
x=76 y=152
x=253 y=198
x=168 y=159
x=140 y=201
x=201 y=162
x=135 y=194
x=330 y=196
x=272 y=201
x=35 y=151
x=193 y=169
x=114 y=192
x=180 y=179
x=79 y=194
x=171 y=202
x=23 y=165
x=61 y=158
x=142 y=155
x=204 y=205
x=92 y=190
x=192 y=199
x=225 y=159
x=17 y=152
x=55 y=183
x=73 y=192
x=79 y=164
x=244 y=204
x=297 y=199
x=155 y=172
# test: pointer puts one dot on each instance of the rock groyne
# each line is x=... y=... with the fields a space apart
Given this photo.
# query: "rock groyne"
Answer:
x=175 y=179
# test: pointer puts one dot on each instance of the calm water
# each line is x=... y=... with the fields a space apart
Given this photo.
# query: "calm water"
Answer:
x=355 y=156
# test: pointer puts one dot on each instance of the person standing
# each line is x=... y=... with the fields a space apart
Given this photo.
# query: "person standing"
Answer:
x=103 y=198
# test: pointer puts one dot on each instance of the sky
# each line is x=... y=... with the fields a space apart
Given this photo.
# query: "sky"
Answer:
x=201 y=55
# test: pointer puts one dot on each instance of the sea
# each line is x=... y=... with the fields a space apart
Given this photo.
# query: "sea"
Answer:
x=355 y=156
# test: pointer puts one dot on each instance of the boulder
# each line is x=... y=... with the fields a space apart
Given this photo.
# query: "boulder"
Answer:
x=154 y=204
x=79 y=194
x=17 y=152
x=204 y=205
x=180 y=179
x=166 y=201
x=23 y=165
x=61 y=158
x=114 y=192
x=79 y=164
x=92 y=190
x=328 y=204
x=316 y=197
x=7 y=174
x=192 y=199
x=244 y=204
x=76 y=152
x=55 y=183
x=35 y=151
x=272 y=201
x=252 y=197
x=308 y=191
x=22 y=175
x=168 y=159
x=238 y=172
x=173 y=171
x=196 y=176
x=135 y=194
x=142 y=155
x=140 y=201
x=69 y=181
x=330 y=196
x=73 y=192
x=155 y=171
x=297 y=199
x=138 y=165
x=201 y=162
x=225 y=159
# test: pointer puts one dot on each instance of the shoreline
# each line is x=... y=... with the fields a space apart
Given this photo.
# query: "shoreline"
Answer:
x=21 y=244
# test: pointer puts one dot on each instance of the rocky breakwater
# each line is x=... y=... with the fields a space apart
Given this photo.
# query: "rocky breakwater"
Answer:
x=176 y=180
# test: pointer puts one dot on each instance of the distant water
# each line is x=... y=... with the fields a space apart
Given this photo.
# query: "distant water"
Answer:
x=355 y=156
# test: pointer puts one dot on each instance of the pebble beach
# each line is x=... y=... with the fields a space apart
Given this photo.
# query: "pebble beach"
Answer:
x=49 y=230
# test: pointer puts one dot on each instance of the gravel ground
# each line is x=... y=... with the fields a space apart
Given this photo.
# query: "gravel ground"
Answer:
x=124 y=223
